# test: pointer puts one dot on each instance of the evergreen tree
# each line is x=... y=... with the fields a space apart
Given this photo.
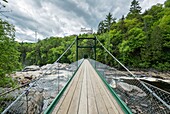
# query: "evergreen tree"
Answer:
x=121 y=24
x=108 y=21
x=101 y=28
x=135 y=10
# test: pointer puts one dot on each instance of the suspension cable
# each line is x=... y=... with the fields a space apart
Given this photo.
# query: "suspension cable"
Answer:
x=153 y=93
x=35 y=81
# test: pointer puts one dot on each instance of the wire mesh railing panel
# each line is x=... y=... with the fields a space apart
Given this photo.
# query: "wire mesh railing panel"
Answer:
x=37 y=98
x=134 y=91
x=161 y=93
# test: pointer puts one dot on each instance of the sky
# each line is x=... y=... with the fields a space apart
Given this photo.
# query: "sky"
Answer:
x=39 y=19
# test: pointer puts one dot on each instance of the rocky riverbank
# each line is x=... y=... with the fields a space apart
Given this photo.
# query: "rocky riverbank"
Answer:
x=54 y=77
x=37 y=99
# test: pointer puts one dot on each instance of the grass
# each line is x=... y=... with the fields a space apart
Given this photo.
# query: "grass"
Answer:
x=7 y=82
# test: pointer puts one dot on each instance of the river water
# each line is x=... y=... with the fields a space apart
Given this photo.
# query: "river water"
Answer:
x=162 y=85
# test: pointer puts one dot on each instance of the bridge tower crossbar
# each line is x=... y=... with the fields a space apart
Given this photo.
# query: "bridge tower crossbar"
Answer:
x=77 y=46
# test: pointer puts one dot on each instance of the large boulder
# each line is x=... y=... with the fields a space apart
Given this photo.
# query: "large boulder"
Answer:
x=25 y=77
x=33 y=104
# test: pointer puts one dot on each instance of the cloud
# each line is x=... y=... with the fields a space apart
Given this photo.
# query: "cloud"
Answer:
x=63 y=17
x=146 y=4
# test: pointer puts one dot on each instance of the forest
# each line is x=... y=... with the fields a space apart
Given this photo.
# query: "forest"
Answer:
x=138 y=40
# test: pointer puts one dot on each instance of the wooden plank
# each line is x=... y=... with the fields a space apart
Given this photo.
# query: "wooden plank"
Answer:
x=99 y=100
x=115 y=102
x=110 y=102
x=117 y=109
x=76 y=97
x=109 y=105
x=92 y=106
x=63 y=109
x=83 y=98
x=65 y=93
x=61 y=99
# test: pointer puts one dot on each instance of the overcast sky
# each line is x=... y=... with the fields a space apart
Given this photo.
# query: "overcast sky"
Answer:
x=63 y=17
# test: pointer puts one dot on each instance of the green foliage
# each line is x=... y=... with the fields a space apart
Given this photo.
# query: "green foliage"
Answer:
x=46 y=51
x=140 y=40
x=9 y=54
x=7 y=82
x=167 y=3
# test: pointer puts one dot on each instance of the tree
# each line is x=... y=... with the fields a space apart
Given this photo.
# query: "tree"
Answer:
x=131 y=48
x=156 y=12
x=165 y=27
x=101 y=28
x=9 y=55
x=167 y=4
x=108 y=21
x=106 y=24
x=135 y=10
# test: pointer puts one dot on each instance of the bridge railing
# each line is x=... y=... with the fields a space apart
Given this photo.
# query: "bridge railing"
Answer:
x=139 y=96
x=42 y=93
x=36 y=96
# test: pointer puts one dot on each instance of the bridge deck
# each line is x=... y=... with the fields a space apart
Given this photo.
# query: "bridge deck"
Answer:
x=87 y=94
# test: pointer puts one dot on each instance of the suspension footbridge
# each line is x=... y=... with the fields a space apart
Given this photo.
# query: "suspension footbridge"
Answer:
x=90 y=87
x=86 y=94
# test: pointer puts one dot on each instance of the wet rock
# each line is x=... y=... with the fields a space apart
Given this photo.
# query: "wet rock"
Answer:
x=36 y=106
x=24 y=81
x=53 y=95
x=45 y=89
x=133 y=111
x=132 y=89
x=63 y=66
x=48 y=73
x=144 y=105
x=32 y=104
x=25 y=77
x=31 y=68
x=45 y=67
x=45 y=104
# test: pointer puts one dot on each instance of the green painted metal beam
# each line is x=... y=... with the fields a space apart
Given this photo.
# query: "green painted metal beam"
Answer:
x=77 y=48
x=95 y=43
x=56 y=100
x=86 y=46
x=86 y=38
x=119 y=101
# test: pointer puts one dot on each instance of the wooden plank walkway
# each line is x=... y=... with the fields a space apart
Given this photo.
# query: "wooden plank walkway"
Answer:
x=87 y=94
